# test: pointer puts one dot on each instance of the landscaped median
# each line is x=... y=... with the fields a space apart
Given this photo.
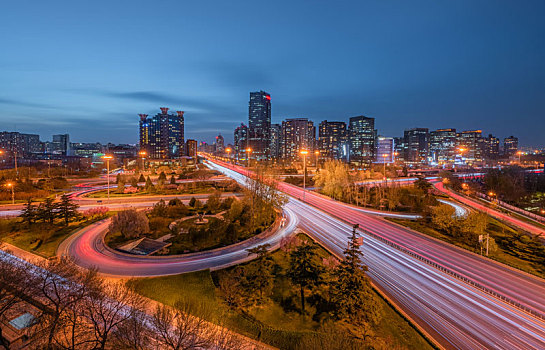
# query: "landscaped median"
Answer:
x=275 y=317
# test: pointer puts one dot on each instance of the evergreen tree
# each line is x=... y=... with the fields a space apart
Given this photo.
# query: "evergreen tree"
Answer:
x=305 y=270
x=162 y=176
x=355 y=304
x=258 y=276
x=47 y=211
x=172 y=180
x=134 y=181
x=29 y=213
x=120 y=186
x=149 y=185
x=141 y=178
x=67 y=209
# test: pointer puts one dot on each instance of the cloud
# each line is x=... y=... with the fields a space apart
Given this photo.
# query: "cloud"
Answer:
x=22 y=103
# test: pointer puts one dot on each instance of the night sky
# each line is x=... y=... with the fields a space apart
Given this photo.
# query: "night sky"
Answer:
x=89 y=67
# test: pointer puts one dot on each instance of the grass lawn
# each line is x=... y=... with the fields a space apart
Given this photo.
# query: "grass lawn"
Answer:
x=514 y=248
x=270 y=323
x=187 y=191
x=32 y=240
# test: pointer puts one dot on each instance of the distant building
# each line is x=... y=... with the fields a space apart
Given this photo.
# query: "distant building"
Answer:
x=470 y=145
x=362 y=138
x=442 y=146
x=220 y=144
x=122 y=151
x=22 y=144
x=162 y=136
x=491 y=147
x=332 y=140
x=259 y=124
x=385 y=151
x=416 y=145
x=297 y=134
x=61 y=144
x=510 y=146
x=86 y=150
x=191 y=147
x=276 y=141
x=241 y=141
x=400 y=148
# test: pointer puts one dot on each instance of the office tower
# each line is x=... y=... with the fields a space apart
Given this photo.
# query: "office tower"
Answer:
x=385 y=150
x=416 y=145
x=86 y=150
x=259 y=124
x=470 y=146
x=362 y=138
x=332 y=140
x=491 y=147
x=442 y=146
x=220 y=144
x=191 y=147
x=297 y=134
x=276 y=140
x=510 y=146
x=241 y=141
x=162 y=136
x=400 y=148
x=61 y=144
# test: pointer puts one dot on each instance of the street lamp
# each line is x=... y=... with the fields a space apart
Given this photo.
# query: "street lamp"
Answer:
x=384 y=162
x=248 y=152
x=108 y=158
x=12 y=186
x=304 y=153
x=228 y=150
x=143 y=155
x=316 y=153
x=519 y=154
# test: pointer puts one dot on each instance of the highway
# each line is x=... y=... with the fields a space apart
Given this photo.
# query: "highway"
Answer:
x=456 y=314
x=527 y=226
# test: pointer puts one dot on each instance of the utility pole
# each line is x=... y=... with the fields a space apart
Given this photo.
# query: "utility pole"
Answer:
x=304 y=153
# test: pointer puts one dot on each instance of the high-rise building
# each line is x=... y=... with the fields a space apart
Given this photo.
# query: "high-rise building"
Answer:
x=297 y=134
x=86 y=150
x=400 y=148
x=276 y=140
x=510 y=146
x=191 y=147
x=220 y=144
x=332 y=140
x=61 y=144
x=470 y=145
x=442 y=146
x=259 y=124
x=362 y=139
x=22 y=144
x=416 y=145
x=491 y=147
x=162 y=136
x=385 y=150
x=241 y=141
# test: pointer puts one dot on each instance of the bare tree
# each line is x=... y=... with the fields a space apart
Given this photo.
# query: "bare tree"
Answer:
x=135 y=333
x=109 y=307
x=177 y=329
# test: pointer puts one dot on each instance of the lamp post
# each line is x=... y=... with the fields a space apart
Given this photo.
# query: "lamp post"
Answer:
x=384 y=156
x=304 y=153
x=143 y=156
x=492 y=195
x=107 y=158
x=228 y=150
x=12 y=187
x=248 y=153
x=316 y=154
x=519 y=154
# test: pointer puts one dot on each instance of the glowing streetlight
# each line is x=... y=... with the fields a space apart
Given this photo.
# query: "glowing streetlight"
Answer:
x=142 y=156
x=248 y=153
x=384 y=156
x=519 y=154
x=316 y=154
x=228 y=150
x=304 y=153
x=108 y=158
x=12 y=187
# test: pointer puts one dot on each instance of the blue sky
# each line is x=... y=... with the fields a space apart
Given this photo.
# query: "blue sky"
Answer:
x=89 y=67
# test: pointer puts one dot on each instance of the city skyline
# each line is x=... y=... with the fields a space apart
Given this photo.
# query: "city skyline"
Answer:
x=445 y=67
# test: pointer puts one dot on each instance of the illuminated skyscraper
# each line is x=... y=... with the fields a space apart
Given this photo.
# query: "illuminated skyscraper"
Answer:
x=276 y=140
x=332 y=139
x=297 y=134
x=442 y=146
x=162 y=136
x=416 y=145
x=510 y=146
x=362 y=138
x=241 y=141
x=259 y=124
